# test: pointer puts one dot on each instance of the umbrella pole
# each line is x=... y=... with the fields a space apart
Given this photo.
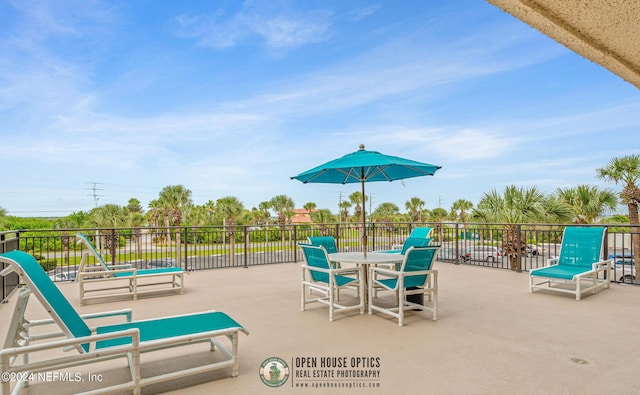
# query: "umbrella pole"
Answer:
x=364 y=219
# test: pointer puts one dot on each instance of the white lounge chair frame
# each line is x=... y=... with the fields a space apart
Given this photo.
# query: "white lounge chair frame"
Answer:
x=102 y=281
x=575 y=279
x=383 y=279
x=96 y=344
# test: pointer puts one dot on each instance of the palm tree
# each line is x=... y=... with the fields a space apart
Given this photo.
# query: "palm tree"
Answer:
x=463 y=206
x=587 y=202
x=135 y=219
x=197 y=216
x=517 y=206
x=344 y=210
x=283 y=205
x=356 y=198
x=323 y=217
x=172 y=200
x=230 y=208
x=439 y=214
x=309 y=206
x=386 y=212
x=415 y=206
x=626 y=170
x=109 y=216
x=264 y=208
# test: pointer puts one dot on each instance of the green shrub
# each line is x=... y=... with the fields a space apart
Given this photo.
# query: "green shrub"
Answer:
x=48 y=264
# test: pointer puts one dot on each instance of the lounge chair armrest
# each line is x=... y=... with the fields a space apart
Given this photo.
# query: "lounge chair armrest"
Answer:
x=128 y=313
x=93 y=269
x=68 y=343
x=130 y=270
x=552 y=261
x=6 y=271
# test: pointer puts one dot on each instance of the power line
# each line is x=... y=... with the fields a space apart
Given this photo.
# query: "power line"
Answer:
x=95 y=190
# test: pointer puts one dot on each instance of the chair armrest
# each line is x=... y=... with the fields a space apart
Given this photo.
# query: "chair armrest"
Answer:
x=347 y=270
x=383 y=270
x=318 y=269
x=602 y=264
x=121 y=266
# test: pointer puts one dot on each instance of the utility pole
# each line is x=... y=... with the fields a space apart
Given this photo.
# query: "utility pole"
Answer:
x=94 y=188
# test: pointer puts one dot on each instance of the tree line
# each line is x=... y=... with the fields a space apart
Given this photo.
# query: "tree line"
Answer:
x=583 y=204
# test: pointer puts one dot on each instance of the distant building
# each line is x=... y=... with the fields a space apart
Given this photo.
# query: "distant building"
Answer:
x=302 y=216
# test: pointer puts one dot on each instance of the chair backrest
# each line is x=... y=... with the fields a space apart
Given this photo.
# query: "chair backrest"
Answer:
x=414 y=242
x=328 y=242
x=417 y=259
x=316 y=256
x=581 y=246
x=48 y=294
x=90 y=247
x=420 y=232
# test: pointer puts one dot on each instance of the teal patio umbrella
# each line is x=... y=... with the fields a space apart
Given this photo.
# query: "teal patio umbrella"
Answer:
x=365 y=166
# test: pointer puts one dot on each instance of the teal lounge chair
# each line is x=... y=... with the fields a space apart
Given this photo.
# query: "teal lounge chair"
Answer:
x=414 y=277
x=25 y=352
x=102 y=281
x=318 y=275
x=579 y=267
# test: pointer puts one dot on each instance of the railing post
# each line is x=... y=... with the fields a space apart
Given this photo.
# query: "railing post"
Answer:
x=457 y=243
x=246 y=246
x=295 y=243
x=113 y=246
x=518 y=249
x=186 y=249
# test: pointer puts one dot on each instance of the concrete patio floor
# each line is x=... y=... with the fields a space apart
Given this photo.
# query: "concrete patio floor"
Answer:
x=491 y=337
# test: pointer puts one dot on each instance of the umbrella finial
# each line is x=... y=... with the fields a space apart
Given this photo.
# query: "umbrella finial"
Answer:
x=361 y=147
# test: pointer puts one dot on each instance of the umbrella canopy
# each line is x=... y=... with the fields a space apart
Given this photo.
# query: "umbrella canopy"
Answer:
x=365 y=166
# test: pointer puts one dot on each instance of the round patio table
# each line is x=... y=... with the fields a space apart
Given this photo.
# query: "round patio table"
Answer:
x=372 y=258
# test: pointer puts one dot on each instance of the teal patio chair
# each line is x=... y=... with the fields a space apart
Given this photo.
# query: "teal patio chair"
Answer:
x=579 y=266
x=24 y=353
x=414 y=277
x=420 y=232
x=328 y=242
x=408 y=243
x=103 y=281
x=318 y=275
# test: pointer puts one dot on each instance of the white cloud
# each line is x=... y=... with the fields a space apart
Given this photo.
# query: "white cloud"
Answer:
x=363 y=12
x=282 y=30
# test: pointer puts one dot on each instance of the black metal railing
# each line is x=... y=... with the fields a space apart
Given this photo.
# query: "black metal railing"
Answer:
x=8 y=242
x=199 y=248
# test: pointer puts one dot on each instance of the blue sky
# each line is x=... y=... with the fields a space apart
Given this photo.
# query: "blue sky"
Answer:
x=231 y=98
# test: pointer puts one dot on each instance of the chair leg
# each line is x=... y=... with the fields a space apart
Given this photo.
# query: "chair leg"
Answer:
x=401 y=298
